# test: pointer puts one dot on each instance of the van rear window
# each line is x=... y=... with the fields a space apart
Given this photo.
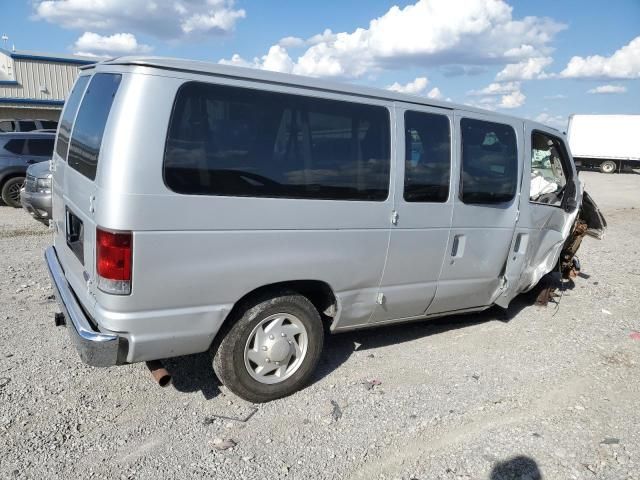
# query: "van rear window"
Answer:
x=244 y=142
x=70 y=110
x=91 y=122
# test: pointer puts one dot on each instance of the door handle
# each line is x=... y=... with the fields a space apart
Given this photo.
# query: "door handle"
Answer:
x=457 y=248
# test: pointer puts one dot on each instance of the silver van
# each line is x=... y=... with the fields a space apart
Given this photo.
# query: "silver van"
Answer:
x=201 y=207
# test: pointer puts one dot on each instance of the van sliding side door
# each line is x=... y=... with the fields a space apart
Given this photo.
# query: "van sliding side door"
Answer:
x=423 y=206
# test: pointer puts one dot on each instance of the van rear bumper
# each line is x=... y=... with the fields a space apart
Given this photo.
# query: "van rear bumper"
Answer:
x=95 y=348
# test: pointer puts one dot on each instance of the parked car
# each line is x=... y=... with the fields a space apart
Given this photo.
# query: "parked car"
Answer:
x=606 y=142
x=17 y=151
x=35 y=195
x=11 y=125
x=206 y=207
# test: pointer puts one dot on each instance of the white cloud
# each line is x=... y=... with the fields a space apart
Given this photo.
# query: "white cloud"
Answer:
x=608 y=89
x=557 y=96
x=435 y=94
x=237 y=61
x=276 y=60
x=555 y=121
x=624 y=63
x=416 y=87
x=95 y=45
x=525 y=70
x=496 y=89
x=429 y=32
x=513 y=100
x=509 y=95
x=222 y=20
x=166 y=19
x=292 y=42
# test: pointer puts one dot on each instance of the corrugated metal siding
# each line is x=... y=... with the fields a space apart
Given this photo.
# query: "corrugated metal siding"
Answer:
x=27 y=112
x=31 y=74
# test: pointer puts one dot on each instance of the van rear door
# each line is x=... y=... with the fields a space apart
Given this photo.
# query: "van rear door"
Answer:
x=74 y=194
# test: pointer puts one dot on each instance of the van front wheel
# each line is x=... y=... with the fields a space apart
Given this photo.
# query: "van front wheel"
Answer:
x=272 y=350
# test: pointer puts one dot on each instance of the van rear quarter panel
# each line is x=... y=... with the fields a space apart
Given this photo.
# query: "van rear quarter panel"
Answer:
x=195 y=256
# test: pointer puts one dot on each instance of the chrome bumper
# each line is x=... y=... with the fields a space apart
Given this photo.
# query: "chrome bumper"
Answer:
x=37 y=204
x=95 y=348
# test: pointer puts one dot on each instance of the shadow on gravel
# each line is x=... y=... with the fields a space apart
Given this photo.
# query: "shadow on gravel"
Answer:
x=338 y=348
x=516 y=468
x=195 y=373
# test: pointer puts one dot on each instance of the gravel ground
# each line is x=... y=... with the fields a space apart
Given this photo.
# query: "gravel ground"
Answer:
x=549 y=392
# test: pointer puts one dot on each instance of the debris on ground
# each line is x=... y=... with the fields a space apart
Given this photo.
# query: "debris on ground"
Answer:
x=610 y=441
x=336 y=413
x=223 y=444
x=370 y=384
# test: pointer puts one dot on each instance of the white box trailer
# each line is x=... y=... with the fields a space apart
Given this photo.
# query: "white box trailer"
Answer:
x=607 y=142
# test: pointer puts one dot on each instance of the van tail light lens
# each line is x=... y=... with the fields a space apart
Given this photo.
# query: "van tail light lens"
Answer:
x=114 y=252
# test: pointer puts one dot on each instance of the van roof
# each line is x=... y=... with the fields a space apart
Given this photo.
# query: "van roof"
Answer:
x=209 y=68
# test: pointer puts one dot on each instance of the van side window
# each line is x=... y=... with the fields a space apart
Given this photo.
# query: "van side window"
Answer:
x=90 y=123
x=489 y=162
x=70 y=110
x=548 y=176
x=427 y=161
x=7 y=126
x=244 y=142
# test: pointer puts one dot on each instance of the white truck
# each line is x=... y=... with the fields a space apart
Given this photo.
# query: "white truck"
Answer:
x=607 y=142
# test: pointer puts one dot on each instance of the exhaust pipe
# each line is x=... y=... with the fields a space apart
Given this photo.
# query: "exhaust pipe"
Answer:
x=159 y=373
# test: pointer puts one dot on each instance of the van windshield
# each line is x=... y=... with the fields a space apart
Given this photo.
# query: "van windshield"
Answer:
x=90 y=123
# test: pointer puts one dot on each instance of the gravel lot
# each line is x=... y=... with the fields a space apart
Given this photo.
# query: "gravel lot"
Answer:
x=549 y=392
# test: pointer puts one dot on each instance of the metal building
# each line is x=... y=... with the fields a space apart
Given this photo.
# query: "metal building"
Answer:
x=35 y=85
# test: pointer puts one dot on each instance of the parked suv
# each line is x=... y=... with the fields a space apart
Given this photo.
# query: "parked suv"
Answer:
x=206 y=207
x=7 y=125
x=17 y=151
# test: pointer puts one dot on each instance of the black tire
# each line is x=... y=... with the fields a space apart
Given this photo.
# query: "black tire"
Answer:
x=9 y=189
x=228 y=360
x=608 y=166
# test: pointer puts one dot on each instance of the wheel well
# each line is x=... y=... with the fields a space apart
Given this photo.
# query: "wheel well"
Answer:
x=319 y=293
x=9 y=176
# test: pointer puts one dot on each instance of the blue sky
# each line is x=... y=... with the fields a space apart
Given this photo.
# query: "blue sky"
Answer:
x=515 y=56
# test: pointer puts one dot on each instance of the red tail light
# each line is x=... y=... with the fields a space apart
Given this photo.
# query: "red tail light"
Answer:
x=114 y=251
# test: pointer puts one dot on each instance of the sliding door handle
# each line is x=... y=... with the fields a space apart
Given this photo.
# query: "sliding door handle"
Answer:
x=457 y=248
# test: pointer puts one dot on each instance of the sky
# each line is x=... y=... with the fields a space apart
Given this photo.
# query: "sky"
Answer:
x=539 y=59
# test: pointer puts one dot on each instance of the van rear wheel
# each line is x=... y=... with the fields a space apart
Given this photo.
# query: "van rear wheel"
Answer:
x=608 y=166
x=273 y=348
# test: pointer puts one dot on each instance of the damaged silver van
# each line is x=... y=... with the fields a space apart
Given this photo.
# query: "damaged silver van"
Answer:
x=202 y=207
